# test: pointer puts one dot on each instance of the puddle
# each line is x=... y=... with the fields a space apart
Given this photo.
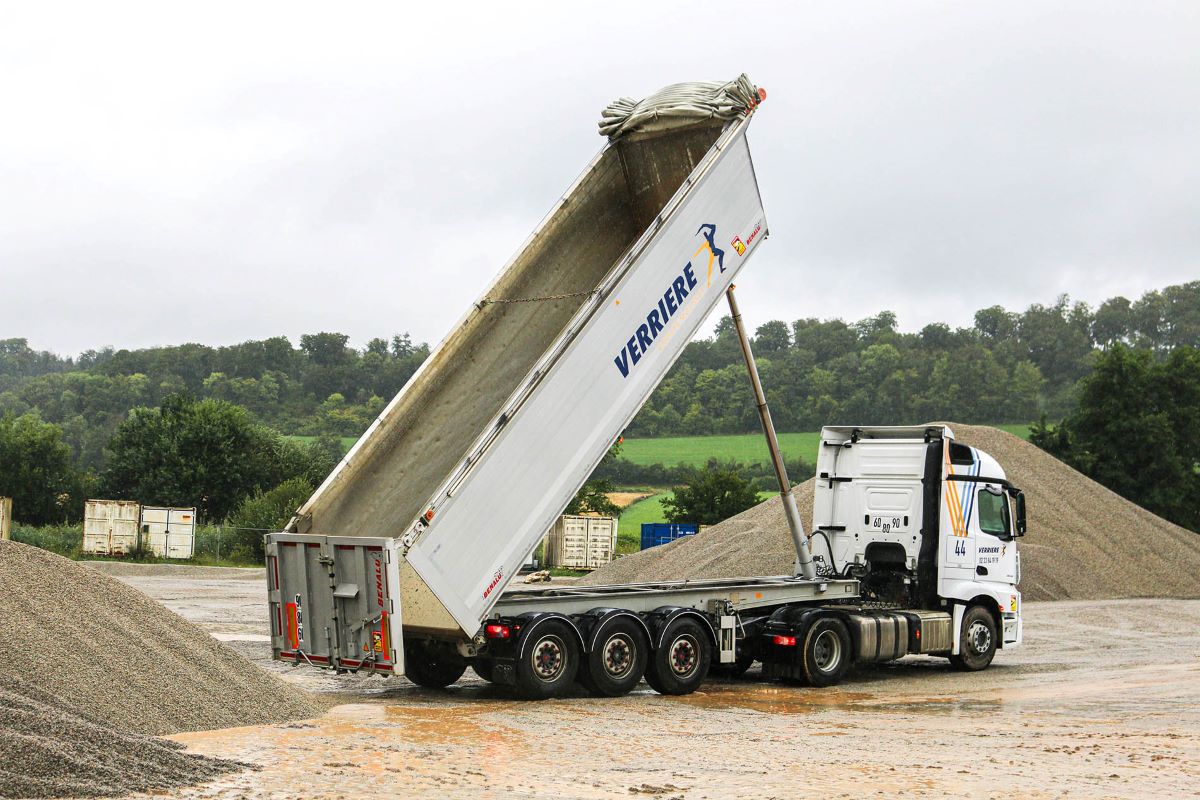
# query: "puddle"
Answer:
x=772 y=699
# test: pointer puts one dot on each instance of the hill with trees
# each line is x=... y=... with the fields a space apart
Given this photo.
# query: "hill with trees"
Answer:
x=72 y=425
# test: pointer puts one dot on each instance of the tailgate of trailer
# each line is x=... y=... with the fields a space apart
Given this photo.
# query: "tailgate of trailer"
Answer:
x=334 y=602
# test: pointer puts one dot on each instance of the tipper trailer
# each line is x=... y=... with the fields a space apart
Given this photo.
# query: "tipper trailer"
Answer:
x=399 y=562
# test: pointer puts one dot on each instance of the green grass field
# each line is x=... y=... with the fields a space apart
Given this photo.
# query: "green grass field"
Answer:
x=748 y=448
x=629 y=525
x=745 y=448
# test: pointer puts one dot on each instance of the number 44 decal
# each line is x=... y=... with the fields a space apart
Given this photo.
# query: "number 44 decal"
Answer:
x=960 y=547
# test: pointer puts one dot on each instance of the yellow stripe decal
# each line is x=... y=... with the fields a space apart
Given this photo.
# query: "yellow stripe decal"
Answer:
x=953 y=501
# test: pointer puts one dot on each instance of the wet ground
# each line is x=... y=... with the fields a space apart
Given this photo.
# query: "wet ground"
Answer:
x=1102 y=701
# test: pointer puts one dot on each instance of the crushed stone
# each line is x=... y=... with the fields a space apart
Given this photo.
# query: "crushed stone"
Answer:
x=110 y=653
x=49 y=750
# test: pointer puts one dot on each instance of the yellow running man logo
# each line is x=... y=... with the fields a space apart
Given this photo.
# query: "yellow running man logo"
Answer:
x=714 y=252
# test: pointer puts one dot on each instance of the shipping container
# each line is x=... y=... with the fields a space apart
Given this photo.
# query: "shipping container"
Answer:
x=581 y=542
x=656 y=533
x=169 y=532
x=5 y=517
x=110 y=527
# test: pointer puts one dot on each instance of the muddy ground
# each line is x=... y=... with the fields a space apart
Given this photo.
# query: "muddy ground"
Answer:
x=1102 y=701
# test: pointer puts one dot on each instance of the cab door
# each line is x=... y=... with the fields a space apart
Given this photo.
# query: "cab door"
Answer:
x=995 y=549
x=957 y=513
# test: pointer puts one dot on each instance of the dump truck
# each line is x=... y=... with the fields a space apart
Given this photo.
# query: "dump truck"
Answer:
x=400 y=562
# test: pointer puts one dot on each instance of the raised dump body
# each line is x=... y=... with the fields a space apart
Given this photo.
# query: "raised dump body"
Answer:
x=483 y=448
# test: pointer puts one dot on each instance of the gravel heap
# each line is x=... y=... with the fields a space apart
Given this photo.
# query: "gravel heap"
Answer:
x=51 y=751
x=107 y=652
x=1084 y=543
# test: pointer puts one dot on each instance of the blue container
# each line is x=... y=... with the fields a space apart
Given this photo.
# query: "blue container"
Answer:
x=656 y=533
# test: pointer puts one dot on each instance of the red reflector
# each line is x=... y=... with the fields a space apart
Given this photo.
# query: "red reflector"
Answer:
x=494 y=631
x=784 y=641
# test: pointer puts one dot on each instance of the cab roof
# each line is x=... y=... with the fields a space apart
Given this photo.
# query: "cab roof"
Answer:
x=845 y=432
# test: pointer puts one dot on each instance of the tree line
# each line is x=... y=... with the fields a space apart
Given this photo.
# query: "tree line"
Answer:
x=1007 y=367
x=192 y=424
x=205 y=453
x=1136 y=429
x=324 y=386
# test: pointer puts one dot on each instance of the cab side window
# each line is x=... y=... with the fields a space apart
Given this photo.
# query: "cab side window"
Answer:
x=993 y=512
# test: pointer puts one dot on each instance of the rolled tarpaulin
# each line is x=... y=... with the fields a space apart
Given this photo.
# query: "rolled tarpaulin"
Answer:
x=680 y=104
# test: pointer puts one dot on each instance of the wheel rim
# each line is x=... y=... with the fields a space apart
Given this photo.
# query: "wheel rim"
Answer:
x=684 y=655
x=619 y=655
x=549 y=658
x=827 y=651
x=979 y=638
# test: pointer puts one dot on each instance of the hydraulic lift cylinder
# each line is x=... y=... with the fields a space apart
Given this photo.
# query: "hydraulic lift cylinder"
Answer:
x=804 y=562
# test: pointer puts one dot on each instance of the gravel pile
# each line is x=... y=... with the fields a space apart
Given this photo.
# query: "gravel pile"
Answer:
x=1084 y=541
x=109 y=653
x=51 y=751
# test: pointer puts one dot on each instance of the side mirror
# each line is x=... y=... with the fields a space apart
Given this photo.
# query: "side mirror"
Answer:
x=1020 y=498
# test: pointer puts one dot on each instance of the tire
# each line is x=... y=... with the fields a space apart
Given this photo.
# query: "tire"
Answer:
x=680 y=664
x=978 y=640
x=826 y=655
x=549 y=661
x=618 y=659
x=484 y=669
x=432 y=667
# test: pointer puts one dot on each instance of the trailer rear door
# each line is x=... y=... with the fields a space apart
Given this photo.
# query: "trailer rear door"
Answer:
x=334 y=601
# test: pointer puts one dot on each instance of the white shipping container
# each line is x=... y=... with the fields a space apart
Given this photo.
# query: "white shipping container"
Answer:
x=580 y=542
x=5 y=517
x=110 y=527
x=169 y=532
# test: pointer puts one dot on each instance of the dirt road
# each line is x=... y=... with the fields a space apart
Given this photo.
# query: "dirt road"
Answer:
x=1102 y=701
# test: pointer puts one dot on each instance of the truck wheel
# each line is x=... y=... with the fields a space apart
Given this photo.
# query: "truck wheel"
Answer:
x=977 y=640
x=618 y=660
x=432 y=667
x=549 y=662
x=680 y=664
x=826 y=655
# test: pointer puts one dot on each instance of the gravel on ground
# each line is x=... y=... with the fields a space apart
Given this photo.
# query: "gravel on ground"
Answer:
x=1084 y=543
x=49 y=750
x=110 y=653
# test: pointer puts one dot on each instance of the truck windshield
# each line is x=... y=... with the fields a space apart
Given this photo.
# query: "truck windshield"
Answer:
x=993 y=512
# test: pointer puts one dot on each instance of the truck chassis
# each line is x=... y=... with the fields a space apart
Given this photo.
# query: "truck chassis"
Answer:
x=674 y=633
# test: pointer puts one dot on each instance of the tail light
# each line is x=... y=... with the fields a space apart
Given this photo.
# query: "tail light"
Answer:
x=495 y=630
x=784 y=641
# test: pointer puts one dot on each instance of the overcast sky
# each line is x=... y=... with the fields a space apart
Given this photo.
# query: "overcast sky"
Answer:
x=240 y=171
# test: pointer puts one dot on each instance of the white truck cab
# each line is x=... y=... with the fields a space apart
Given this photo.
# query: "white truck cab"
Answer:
x=921 y=521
